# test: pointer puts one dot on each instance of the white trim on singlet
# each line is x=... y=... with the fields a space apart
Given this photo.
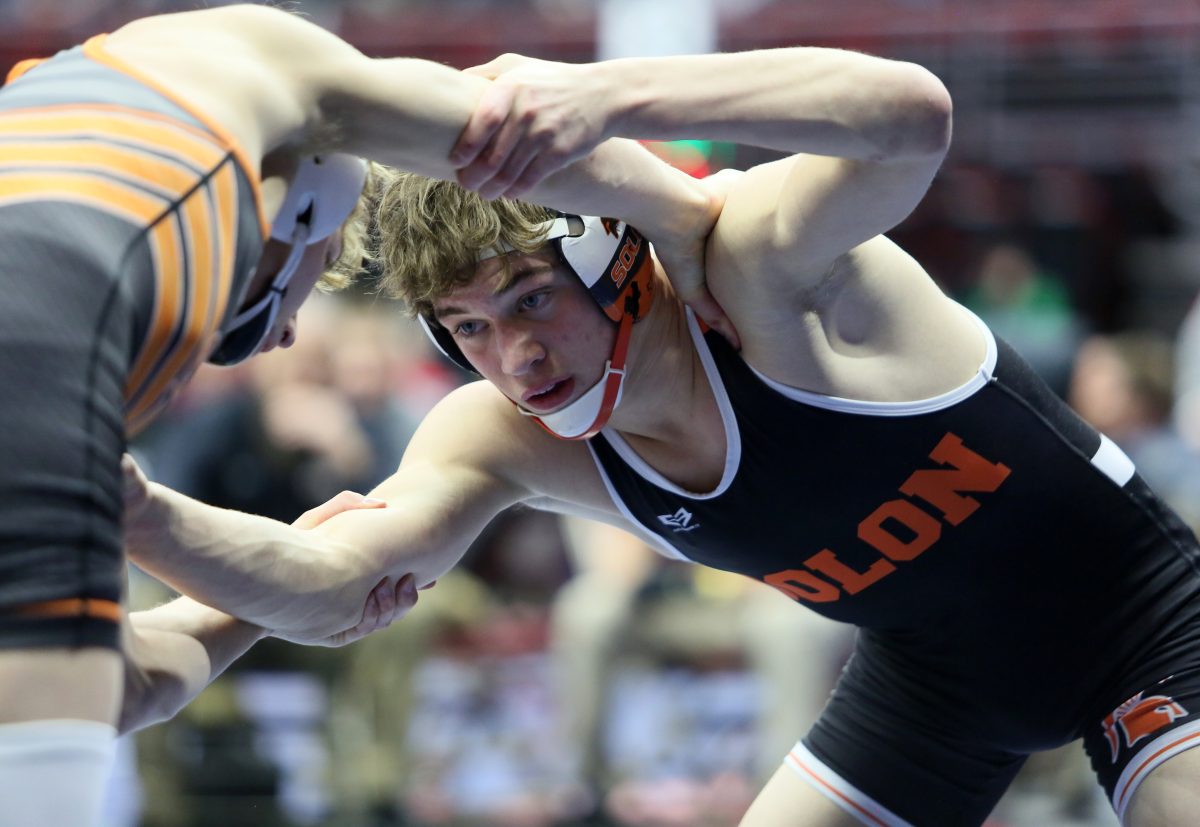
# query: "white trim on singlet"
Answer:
x=733 y=437
x=1165 y=746
x=660 y=544
x=1113 y=462
x=733 y=452
x=840 y=791
x=920 y=406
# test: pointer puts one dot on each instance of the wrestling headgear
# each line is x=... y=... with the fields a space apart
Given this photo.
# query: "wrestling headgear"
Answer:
x=322 y=196
x=613 y=261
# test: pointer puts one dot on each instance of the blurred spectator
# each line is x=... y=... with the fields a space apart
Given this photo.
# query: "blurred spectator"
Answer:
x=281 y=443
x=1123 y=385
x=1028 y=308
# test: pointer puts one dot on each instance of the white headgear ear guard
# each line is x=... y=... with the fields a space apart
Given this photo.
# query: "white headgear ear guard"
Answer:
x=323 y=193
x=613 y=261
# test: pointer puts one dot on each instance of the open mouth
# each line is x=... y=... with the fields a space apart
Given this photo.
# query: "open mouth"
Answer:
x=548 y=397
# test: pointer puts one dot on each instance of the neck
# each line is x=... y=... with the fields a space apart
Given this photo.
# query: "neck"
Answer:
x=665 y=385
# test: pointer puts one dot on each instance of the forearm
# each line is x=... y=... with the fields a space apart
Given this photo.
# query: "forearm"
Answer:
x=252 y=567
x=172 y=653
x=812 y=100
x=623 y=179
x=403 y=112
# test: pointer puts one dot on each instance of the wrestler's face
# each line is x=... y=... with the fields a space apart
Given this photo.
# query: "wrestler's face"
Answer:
x=316 y=260
x=541 y=340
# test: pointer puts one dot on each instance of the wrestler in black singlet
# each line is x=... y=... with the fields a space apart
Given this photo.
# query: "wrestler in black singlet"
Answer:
x=1016 y=584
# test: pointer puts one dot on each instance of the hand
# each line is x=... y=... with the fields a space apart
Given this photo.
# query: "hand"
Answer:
x=389 y=601
x=135 y=488
x=683 y=257
x=345 y=501
x=536 y=118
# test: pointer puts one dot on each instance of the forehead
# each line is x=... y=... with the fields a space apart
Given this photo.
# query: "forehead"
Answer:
x=497 y=276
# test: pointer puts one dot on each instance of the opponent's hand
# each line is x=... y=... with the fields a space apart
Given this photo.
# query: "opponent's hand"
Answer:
x=389 y=601
x=683 y=257
x=135 y=488
x=536 y=118
x=345 y=501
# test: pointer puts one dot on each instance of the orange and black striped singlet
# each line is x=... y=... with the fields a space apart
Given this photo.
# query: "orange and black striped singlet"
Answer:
x=87 y=132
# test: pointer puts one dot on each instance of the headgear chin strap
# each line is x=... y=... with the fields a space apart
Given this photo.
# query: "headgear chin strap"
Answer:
x=322 y=195
x=613 y=261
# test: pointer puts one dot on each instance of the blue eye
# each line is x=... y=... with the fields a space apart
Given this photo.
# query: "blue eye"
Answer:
x=534 y=300
x=466 y=329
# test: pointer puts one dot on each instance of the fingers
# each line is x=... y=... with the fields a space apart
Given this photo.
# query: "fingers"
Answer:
x=345 y=501
x=406 y=594
x=489 y=116
x=706 y=308
x=513 y=152
x=386 y=595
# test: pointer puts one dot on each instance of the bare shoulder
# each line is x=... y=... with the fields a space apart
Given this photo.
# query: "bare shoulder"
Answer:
x=476 y=427
x=875 y=327
x=248 y=67
x=265 y=29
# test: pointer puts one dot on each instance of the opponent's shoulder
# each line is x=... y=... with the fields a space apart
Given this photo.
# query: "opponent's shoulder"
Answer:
x=256 y=70
x=267 y=26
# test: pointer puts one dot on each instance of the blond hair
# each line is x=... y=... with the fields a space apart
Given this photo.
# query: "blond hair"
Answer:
x=431 y=233
x=357 y=253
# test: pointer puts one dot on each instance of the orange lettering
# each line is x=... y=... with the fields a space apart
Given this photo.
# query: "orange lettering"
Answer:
x=926 y=528
x=971 y=472
x=625 y=259
x=826 y=562
x=801 y=585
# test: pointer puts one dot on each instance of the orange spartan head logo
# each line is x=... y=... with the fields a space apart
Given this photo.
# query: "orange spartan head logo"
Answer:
x=1139 y=718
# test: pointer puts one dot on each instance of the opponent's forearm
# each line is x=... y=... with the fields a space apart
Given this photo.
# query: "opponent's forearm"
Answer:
x=621 y=178
x=172 y=653
x=254 y=568
x=811 y=100
x=403 y=112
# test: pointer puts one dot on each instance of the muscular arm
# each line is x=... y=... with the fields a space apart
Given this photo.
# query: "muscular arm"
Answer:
x=172 y=652
x=175 y=650
x=865 y=134
x=314 y=583
x=795 y=259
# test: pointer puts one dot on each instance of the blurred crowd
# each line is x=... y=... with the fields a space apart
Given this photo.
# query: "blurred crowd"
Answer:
x=566 y=674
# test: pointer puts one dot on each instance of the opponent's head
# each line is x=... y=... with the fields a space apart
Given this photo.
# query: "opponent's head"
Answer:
x=437 y=239
x=317 y=236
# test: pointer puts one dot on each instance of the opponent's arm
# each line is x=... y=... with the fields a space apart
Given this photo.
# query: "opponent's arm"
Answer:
x=174 y=651
x=311 y=584
x=866 y=134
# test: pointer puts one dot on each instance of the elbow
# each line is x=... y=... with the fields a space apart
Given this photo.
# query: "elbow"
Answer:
x=923 y=115
x=156 y=701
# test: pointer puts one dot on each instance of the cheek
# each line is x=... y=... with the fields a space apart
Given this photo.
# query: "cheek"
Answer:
x=594 y=340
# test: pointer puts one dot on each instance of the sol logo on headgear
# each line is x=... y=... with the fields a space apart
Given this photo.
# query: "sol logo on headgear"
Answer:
x=625 y=260
x=1139 y=718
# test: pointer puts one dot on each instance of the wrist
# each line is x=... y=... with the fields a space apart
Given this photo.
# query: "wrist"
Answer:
x=619 y=97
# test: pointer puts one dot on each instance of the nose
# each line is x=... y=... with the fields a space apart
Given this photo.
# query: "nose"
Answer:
x=520 y=351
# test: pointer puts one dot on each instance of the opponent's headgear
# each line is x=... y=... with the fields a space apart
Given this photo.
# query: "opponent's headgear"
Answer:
x=613 y=261
x=323 y=193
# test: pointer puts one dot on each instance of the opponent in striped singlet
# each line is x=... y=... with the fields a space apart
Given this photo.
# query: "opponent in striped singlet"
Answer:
x=129 y=229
